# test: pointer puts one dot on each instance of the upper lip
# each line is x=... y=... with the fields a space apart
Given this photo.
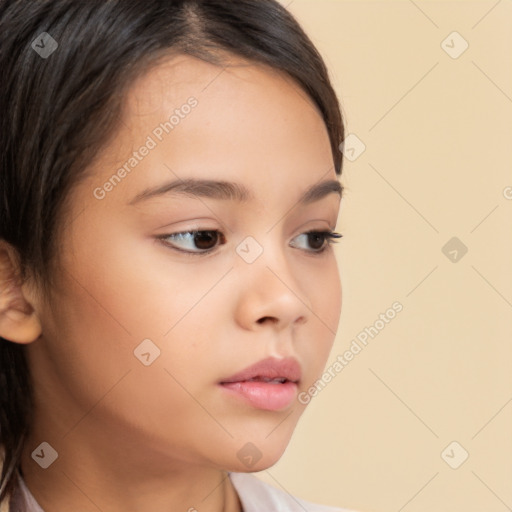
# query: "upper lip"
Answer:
x=270 y=368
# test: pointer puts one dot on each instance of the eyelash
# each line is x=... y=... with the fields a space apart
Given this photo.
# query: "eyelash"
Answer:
x=329 y=235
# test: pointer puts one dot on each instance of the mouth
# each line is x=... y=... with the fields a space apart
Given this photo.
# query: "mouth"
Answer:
x=270 y=384
x=277 y=380
x=275 y=394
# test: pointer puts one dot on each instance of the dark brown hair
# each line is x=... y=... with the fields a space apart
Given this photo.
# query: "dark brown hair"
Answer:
x=57 y=112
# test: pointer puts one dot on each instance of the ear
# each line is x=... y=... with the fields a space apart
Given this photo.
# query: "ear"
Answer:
x=19 y=321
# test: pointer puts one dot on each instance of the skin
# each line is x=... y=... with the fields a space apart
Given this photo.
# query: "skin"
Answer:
x=131 y=437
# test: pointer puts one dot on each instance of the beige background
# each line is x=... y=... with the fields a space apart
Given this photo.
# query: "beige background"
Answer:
x=437 y=164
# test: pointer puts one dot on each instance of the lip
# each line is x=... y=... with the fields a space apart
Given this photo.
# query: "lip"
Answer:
x=271 y=368
x=266 y=395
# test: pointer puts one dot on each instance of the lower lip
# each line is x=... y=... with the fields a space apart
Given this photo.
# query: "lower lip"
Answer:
x=264 y=395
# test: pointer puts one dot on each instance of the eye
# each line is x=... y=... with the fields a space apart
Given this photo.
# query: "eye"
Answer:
x=320 y=240
x=202 y=242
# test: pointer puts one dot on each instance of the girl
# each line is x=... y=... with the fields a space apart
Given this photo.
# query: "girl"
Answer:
x=168 y=287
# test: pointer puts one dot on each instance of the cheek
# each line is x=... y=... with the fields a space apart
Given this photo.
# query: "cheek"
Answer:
x=322 y=285
x=120 y=293
x=91 y=344
x=144 y=287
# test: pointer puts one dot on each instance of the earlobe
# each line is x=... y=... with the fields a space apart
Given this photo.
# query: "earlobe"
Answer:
x=19 y=321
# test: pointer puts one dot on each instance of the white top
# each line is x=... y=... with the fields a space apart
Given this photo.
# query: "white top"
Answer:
x=255 y=496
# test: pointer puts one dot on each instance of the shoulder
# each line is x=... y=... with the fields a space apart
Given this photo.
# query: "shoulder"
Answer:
x=257 y=495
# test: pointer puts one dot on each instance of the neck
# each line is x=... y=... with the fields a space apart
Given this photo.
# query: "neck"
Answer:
x=88 y=478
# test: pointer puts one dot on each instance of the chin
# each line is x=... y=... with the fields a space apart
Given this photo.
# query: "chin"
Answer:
x=261 y=465
x=253 y=456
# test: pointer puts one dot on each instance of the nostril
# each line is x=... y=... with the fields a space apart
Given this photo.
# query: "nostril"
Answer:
x=263 y=319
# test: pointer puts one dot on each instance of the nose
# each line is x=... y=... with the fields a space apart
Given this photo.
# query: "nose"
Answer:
x=270 y=293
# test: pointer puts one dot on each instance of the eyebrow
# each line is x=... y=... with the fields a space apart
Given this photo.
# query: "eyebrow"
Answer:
x=231 y=191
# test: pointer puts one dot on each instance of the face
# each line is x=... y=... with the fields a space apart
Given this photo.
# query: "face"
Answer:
x=143 y=323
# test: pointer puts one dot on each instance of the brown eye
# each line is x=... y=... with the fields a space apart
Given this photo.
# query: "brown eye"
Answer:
x=319 y=241
x=206 y=239
x=202 y=242
x=316 y=240
x=195 y=242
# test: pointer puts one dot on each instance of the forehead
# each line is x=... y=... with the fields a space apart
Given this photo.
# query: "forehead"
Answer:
x=235 y=78
x=239 y=94
x=250 y=123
